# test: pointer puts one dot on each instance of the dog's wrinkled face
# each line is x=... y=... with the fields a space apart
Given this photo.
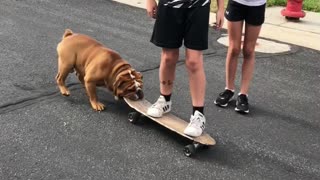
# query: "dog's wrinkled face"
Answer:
x=129 y=84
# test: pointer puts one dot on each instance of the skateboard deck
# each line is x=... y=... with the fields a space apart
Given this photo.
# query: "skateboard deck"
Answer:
x=171 y=122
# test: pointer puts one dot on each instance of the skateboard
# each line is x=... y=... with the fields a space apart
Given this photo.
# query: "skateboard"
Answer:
x=172 y=123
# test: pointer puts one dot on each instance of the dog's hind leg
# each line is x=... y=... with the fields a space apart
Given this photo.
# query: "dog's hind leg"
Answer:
x=63 y=70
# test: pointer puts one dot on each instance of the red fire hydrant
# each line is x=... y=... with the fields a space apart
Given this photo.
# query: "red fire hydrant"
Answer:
x=293 y=9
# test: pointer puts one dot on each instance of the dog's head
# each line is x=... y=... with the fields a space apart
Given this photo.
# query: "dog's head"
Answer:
x=128 y=84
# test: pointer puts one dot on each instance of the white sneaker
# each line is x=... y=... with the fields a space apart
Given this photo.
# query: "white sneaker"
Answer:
x=159 y=108
x=196 y=125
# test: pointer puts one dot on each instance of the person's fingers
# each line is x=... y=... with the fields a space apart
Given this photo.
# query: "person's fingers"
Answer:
x=154 y=13
x=150 y=14
x=214 y=25
x=217 y=25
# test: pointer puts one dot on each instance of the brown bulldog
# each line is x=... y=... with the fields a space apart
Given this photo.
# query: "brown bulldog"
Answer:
x=96 y=65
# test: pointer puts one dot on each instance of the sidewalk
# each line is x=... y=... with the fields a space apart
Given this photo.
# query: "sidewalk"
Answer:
x=305 y=32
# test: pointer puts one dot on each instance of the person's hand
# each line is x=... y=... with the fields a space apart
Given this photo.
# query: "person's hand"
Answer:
x=151 y=8
x=219 y=19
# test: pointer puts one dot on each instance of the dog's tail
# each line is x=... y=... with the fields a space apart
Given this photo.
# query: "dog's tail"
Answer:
x=67 y=33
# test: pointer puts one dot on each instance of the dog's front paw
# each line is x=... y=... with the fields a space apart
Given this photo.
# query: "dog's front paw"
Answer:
x=65 y=92
x=97 y=106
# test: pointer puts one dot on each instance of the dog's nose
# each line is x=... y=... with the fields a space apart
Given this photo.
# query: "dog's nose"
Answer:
x=133 y=97
x=140 y=94
x=136 y=96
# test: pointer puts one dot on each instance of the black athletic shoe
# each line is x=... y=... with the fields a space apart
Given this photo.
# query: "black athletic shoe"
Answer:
x=224 y=98
x=242 y=104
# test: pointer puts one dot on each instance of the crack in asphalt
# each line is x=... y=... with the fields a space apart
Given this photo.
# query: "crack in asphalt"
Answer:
x=27 y=101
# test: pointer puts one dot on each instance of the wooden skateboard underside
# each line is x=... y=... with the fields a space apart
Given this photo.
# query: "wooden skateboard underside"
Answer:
x=170 y=121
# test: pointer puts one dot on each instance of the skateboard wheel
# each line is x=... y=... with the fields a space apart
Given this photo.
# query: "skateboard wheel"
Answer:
x=133 y=117
x=189 y=150
x=205 y=147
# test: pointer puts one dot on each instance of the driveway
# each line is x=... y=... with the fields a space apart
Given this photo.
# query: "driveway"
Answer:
x=44 y=135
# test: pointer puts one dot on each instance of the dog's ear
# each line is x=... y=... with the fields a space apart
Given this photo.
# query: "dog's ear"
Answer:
x=117 y=83
x=137 y=74
x=115 y=87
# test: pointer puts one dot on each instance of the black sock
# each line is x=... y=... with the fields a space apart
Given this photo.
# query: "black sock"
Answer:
x=198 y=108
x=167 y=97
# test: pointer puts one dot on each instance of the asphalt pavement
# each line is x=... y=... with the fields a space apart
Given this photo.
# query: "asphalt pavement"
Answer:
x=44 y=135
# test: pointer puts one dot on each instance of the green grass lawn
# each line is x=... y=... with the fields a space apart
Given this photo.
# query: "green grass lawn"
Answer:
x=308 y=5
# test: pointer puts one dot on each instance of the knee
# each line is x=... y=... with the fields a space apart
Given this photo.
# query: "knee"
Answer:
x=170 y=58
x=234 y=51
x=194 y=64
x=248 y=53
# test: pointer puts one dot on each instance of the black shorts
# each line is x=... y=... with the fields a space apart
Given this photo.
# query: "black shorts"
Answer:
x=176 y=25
x=253 y=15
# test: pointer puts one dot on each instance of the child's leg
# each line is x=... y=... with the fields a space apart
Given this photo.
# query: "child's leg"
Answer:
x=196 y=40
x=197 y=84
x=254 y=19
x=197 y=78
x=250 y=39
x=234 y=49
x=169 y=58
x=168 y=34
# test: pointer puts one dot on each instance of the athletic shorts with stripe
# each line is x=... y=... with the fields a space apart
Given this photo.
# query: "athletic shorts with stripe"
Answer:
x=174 y=26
